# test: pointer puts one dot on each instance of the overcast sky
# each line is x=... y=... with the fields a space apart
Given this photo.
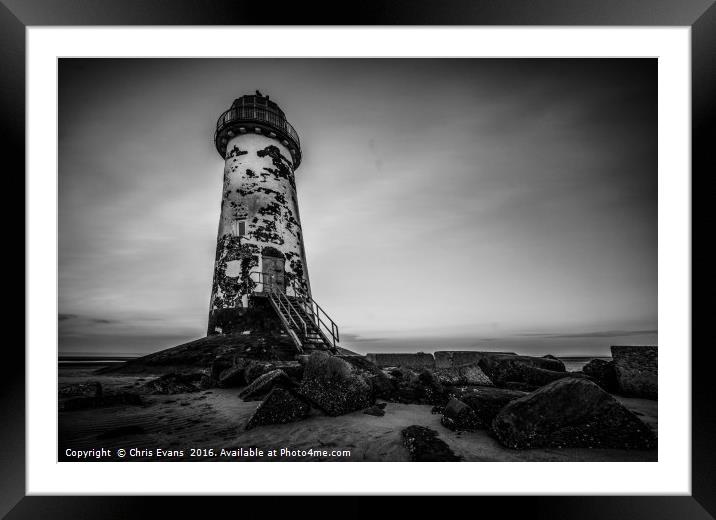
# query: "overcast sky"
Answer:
x=445 y=203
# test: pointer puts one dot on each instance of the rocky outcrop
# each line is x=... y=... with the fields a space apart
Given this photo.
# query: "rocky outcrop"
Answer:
x=87 y=389
x=485 y=403
x=234 y=375
x=279 y=407
x=603 y=373
x=255 y=369
x=463 y=375
x=636 y=371
x=416 y=361
x=331 y=385
x=456 y=358
x=417 y=388
x=377 y=409
x=458 y=416
x=173 y=384
x=523 y=369
x=424 y=445
x=570 y=413
x=489 y=362
x=380 y=383
x=263 y=384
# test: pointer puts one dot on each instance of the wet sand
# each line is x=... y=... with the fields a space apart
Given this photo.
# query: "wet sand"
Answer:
x=216 y=418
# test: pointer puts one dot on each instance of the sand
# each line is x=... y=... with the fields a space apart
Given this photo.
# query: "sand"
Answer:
x=216 y=418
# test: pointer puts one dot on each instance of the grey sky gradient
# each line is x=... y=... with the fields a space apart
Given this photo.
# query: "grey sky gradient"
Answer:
x=450 y=203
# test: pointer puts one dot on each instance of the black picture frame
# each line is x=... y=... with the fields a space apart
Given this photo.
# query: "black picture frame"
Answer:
x=16 y=15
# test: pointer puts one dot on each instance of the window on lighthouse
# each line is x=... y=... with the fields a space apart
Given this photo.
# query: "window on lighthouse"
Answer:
x=239 y=228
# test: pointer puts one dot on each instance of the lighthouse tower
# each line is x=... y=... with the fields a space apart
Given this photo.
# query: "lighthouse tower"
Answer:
x=260 y=273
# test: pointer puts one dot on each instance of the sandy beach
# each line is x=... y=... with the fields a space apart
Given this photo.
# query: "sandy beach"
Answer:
x=216 y=418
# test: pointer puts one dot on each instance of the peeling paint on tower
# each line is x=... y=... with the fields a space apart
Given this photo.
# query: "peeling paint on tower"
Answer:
x=259 y=208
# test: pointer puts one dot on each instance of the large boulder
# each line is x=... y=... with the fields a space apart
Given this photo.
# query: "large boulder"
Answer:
x=636 y=371
x=416 y=361
x=219 y=365
x=293 y=369
x=458 y=416
x=332 y=386
x=463 y=375
x=424 y=445
x=417 y=388
x=517 y=369
x=570 y=413
x=262 y=385
x=455 y=358
x=545 y=363
x=603 y=373
x=234 y=375
x=380 y=383
x=254 y=369
x=279 y=407
x=486 y=403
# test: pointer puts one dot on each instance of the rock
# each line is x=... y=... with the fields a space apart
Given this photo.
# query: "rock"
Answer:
x=636 y=371
x=279 y=407
x=416 y=361
x=337 y=397
x=88 y=389
x=219 y=365
x=570 y=413
x=331 y=385
x=377 y=409
x=424 y=445
x=516 y=369
x=234 y=376
x=256 y=369
x=518 y=385
x=546 y=363
x=83 y=403
x=262 y=385
x=455 y=358
x=206 y=382
x=603 y=373
x=486 y=403
x=380 y=383
x=173 y=383
x=459 y=416
x=470 y=374
x=417 y=388
x=293 y=369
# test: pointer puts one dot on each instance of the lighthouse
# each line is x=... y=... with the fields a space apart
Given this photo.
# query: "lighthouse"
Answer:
x=260 y=274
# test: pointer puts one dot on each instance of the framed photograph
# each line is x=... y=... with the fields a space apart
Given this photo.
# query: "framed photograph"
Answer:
x=494 y=208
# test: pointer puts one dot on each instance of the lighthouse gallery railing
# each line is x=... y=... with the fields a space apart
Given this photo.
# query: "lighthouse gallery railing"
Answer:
x=259 y=114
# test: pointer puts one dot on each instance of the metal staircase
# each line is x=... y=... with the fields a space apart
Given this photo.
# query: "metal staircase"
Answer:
x=308 y=325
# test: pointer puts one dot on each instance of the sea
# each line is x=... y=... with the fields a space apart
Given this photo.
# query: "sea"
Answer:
x=571 y=363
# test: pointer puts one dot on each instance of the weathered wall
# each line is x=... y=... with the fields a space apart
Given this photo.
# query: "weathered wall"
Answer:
x=636 y=369
x=456 y=358
x=418 y=361
x=260 y=191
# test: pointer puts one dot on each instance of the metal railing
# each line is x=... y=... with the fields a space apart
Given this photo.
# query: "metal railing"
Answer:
x=317 y=314
x=259 y=114
x=324 y=324
x=286 y=308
